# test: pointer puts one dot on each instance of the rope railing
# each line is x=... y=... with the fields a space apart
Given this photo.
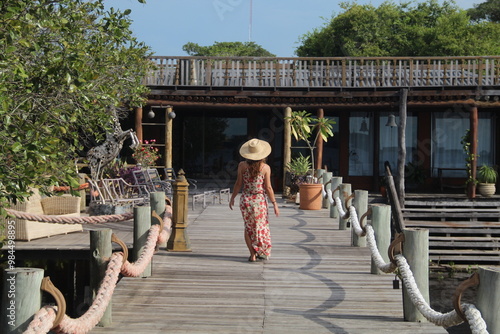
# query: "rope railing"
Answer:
x=70 y=219
x=43 y=321
x=452 y=318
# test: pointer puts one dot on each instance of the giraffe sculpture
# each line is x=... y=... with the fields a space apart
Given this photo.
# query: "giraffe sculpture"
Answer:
x=100 y=156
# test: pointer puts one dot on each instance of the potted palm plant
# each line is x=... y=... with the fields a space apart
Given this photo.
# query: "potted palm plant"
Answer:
x=487 y=177
x=297 y=170
x=308 y=128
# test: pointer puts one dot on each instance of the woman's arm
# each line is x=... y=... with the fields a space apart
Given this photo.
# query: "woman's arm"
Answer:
x=237 y=184
x=269 y=188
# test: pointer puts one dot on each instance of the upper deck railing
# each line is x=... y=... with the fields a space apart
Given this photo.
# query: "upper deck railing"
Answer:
x=325 y=72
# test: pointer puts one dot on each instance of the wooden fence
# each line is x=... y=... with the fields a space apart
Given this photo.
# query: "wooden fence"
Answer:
x=325 y=72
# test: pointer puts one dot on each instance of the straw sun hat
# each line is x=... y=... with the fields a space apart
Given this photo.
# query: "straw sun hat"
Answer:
x=255 y=149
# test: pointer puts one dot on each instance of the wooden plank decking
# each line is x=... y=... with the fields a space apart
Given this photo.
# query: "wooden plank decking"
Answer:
x=314 y=283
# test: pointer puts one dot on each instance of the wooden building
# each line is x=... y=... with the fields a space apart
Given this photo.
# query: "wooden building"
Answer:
x=219 y=103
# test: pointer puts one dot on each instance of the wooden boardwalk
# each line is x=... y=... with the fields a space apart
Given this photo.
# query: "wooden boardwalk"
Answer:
x=314 y=283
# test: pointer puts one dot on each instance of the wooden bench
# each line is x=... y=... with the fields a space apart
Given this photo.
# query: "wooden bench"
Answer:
x=460 y=232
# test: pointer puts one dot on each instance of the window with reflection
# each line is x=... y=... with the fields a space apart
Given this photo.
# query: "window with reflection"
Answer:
x=448 y=129
x=388 y=142
x=361 y=136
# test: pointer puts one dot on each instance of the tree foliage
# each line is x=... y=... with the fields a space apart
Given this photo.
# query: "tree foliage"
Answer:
x=227 y=49
x=63 y=63
x=488 y=10
x=406 y=29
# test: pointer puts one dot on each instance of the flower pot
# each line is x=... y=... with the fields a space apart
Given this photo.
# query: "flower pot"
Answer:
x=310 y=196
x=486 y=189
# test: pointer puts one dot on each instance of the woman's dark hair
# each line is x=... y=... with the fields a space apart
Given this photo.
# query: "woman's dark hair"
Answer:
x=254 y=167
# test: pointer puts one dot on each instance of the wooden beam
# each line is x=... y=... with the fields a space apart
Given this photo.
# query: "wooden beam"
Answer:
x=138 y=123
x=168 y=138
x=402 y=146
x=287 y=147
x=474 y=120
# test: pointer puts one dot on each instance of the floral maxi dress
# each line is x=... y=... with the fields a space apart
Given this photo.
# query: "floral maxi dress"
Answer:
x=253 y=206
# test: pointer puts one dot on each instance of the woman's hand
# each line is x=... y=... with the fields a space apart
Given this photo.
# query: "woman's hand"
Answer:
x=231 y=203
x=276 y=209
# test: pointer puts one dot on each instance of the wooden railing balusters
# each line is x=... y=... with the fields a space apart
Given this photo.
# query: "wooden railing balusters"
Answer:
x=325 y=72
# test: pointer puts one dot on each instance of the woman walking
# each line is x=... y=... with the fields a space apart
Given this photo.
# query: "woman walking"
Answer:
x=254 y=176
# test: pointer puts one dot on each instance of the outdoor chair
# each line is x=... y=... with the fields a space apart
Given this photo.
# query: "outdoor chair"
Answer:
x=118 y=191
x=152 y=181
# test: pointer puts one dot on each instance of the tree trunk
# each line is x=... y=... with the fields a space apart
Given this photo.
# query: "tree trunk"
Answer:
x=400 y=185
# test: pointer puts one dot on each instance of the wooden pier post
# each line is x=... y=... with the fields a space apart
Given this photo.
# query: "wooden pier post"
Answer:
x=488 y=297
x=327 y=176
x=381 y=223
x=319 y=174
x=100 y=252
x=360 y=202
x=21 y=298
x=179 y=239
x=336 y=182
x=142 y=225
x=416 y=252
x=345 y=192
x=157 y=202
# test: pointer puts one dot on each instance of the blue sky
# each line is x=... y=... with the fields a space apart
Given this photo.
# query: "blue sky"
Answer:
x=276 y=25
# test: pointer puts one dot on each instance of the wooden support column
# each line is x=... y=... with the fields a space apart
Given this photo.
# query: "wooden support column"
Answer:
x=168 y=136
x=327 y=178
x=319 y=144
x=416 y=252
x=21 y=298
x=474 y=121
x=345 y=192
x=287 y=149
x=142 y=225
x=336 y=182
x=138 y=123
x=403 y=96
x=488 y=297
x=360 y=202
x=179 y=239
x=100 y=252
x=381 y=223
x=157 y=203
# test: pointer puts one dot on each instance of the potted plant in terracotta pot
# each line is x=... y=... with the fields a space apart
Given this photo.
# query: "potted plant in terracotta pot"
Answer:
x=487 y=177
x=309 y=128
x=297 y=170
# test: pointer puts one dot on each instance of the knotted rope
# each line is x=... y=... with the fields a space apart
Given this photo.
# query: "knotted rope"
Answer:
x=44 y=319
x=70 y=219
x=452 y=318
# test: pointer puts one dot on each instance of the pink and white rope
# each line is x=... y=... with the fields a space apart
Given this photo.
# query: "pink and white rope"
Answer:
x=70 y=219
x=44 y=318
